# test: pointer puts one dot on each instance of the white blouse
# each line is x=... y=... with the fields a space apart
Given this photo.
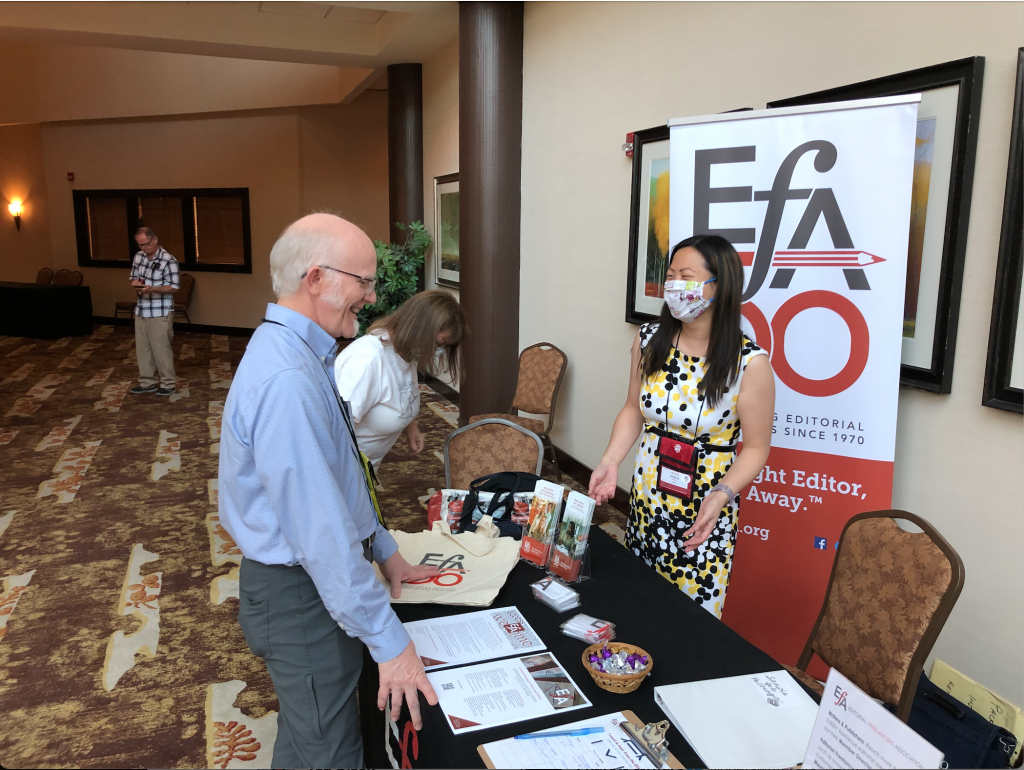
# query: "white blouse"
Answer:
x=382 y=390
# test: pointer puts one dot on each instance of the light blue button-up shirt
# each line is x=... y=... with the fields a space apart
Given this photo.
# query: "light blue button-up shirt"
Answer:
x=292 y=490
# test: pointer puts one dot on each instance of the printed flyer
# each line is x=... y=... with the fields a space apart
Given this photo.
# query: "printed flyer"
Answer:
x=504 y=692
x=473 y=637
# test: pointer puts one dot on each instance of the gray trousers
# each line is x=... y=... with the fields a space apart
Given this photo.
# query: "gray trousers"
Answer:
x=314 y=665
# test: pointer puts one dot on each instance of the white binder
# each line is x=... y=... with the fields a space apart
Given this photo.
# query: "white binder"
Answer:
x=755 y=720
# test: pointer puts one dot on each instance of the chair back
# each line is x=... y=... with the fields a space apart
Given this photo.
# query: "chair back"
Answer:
x=489 y=446
x=65 y=277
x=541 y=367
x=45 y=275
x=183 y=296
x=887 y=600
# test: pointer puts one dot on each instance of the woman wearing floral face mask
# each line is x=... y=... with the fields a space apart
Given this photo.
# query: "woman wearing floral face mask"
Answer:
x=694 y=379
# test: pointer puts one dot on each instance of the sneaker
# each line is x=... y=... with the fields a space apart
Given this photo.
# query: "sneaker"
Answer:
x=165 y=391
x=140 y=389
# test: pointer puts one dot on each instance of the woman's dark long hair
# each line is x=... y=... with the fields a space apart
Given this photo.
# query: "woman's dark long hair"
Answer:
x=726 y=342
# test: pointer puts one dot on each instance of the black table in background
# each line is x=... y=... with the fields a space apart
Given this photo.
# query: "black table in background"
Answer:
x=44 y=311
x=687 y=643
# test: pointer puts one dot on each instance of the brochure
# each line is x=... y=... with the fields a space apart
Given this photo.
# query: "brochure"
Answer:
x=571 y=542
x=543 y=523
x=504 y=692
x=472 y=637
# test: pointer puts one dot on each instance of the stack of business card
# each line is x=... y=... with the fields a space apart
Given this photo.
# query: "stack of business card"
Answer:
x=588 y=629
x=555 y=595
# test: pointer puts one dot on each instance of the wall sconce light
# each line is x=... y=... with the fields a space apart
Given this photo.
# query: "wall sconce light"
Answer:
x=15 y=209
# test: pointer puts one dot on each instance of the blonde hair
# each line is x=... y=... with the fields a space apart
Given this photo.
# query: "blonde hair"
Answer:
x=414 y=327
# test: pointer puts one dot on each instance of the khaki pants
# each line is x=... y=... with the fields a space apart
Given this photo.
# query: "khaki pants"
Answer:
x=153 y=350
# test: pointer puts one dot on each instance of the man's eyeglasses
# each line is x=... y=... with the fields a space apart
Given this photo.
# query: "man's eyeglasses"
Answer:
x=366 y=284
x=144 y=245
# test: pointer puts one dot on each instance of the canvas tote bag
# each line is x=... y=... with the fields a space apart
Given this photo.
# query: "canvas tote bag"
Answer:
x=474 y=565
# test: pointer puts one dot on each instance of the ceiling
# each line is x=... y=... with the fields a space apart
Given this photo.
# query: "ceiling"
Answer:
x=345 y=34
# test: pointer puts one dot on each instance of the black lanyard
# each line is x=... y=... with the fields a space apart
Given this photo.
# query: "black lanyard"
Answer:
x=668 y=401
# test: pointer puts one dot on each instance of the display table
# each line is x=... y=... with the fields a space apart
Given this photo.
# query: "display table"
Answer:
x=687 y=643
x=44 y=311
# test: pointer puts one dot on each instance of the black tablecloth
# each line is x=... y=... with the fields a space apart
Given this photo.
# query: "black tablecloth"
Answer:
x=687 y=643
x=44 y=311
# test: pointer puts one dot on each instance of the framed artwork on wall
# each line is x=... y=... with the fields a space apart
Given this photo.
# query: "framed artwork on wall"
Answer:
x=1004 y=370
x=446 y=230
x=648 y=226
x=947 y=140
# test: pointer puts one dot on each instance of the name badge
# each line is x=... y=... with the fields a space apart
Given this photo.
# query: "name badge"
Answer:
x=677 y=461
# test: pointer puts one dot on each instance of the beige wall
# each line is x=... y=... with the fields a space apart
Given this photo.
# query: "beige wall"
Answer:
x=593 y=72
x=255 y=151
x=292 y=160
x=440 y=134
x=21 y=178
x=344 y=151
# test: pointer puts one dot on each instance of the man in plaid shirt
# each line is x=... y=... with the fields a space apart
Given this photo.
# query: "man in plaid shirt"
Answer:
x=155 y=277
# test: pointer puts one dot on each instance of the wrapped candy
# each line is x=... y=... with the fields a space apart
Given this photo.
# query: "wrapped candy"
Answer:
x=620 y=662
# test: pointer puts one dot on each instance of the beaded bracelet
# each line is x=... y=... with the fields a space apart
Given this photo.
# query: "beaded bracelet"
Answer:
x=723 y=488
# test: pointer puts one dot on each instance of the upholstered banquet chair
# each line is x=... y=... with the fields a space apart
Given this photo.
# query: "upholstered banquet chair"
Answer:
x=183 y=296
x=887 y=600
x=45 y=275
x=64 y=277
x=489 y=446
x=541 y=367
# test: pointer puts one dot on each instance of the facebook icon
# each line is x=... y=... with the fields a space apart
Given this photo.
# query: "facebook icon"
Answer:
x=820 y=543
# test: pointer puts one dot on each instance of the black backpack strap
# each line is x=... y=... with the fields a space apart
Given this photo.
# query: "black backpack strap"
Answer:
x=472 y=499
x=504 y=486
x=504 y=498
x=468 y=506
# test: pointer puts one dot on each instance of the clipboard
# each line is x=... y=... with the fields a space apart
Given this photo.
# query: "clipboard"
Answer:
x=673 y=763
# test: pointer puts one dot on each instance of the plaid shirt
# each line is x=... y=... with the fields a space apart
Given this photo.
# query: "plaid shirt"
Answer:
x=161 y=270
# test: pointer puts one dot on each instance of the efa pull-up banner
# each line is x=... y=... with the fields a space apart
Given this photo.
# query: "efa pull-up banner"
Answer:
x=816 y=200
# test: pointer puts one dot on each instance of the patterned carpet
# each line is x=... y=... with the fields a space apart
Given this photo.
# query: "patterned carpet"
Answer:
x=119 y=644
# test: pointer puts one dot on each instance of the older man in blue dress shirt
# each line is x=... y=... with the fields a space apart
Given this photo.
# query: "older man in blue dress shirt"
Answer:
x=294 y=498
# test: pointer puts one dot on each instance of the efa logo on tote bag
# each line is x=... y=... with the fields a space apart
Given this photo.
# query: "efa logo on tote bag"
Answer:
x=451 y=569
x=821 y=206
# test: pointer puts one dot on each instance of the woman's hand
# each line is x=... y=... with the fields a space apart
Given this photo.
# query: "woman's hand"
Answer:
x=602 y=482
x=416 y=442
x=710 y=509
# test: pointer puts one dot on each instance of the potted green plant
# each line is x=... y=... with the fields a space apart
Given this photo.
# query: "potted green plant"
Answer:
x=397 y=265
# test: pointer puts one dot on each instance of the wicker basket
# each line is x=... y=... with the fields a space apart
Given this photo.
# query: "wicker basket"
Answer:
x=620 y=683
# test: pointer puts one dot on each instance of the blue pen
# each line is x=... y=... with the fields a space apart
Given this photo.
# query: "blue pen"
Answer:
x=561 y=733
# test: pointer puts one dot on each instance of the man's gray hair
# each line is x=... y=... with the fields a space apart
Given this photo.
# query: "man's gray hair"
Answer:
x=146 y=232
x=298 y=250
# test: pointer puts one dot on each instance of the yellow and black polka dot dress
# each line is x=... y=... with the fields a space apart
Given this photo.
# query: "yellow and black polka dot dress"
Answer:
x=657 y=520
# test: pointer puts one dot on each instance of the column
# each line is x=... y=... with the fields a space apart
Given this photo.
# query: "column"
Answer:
x=405 y=149
x=490 y=159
